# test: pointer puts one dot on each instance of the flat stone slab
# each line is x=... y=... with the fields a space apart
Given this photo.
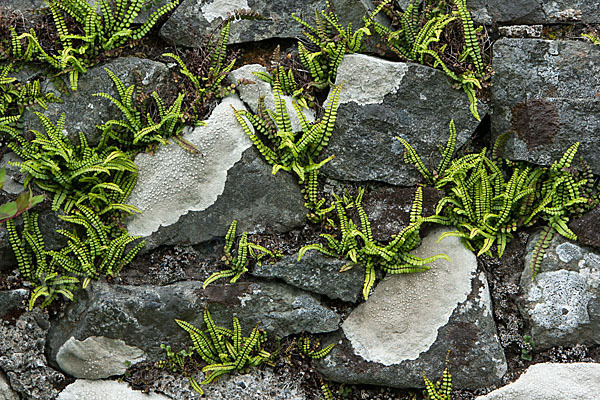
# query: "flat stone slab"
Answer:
x=547 y=92
x=132 y=313
x=411 y=321
x=194 y=19
x=97 y=357
x=562 y=305
x=550 y=381
x=382 y=99
x=101 y=390
x=190 y=198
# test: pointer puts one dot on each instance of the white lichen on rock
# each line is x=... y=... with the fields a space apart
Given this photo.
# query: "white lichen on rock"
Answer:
x=220 y=8
x=173 y=181
x=101 y=390
x=409 y=309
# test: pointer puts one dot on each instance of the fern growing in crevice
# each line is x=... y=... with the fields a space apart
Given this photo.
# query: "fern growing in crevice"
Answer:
x=305 y=347
x=440 y=390
x=297 y=152
x=100 y=177
x=245 y=252
x=15 y=96
x=356 y=242
x=224 y=350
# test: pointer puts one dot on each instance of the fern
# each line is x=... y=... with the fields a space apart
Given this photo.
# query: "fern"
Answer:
x=356 y=243
x=311 y=350
x=441 y=390
x=93 y=177
x=225 y=350
x=245 y=252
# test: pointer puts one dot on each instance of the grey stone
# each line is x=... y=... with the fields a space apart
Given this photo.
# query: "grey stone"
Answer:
x=84 y=111
x=97 y=357
x=23 y=5
x=12 y=302
x=585 y=228
x=409 y=323
x=521 y=31
x=549 y=381
x=190 y=198
x=316 y=273
x=562 y=305
x=6 y=393
x=101 y=390
x=251 y=92
x=135 y=313
x=534 y=11
x=22 y=356
x=194 y=19
x=546 y=91
x=408 y=100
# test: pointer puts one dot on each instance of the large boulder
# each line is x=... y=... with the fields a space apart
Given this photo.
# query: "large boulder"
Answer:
x=382 y=99
x=84 y=111
x=194 y=19
x=547 y=92
x=410 y=321
x=188 y=198
x=562 y=304
x=549 y=381
x=143 y=316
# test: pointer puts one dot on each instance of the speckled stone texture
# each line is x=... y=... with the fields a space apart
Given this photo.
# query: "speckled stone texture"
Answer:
x=562 y=305
x=102 y=390
x=408 y=100
x=548 y=381
x=411 y=321
x=547 y=92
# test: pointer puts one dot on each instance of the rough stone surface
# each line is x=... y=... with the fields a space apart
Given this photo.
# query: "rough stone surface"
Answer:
x=251 y=92
x=534 y=11
x=257 y=384
x=22 y=356
x=316 y=273
x=135 y=313
x=101 y=390
x=549 y=381
x=6 y=393
x=408 y=100
x=194 y=19
x=547 y=92
x=12 y=303
x=84 y=111
x=585 y=227
x=97 y=357
x=562 y=305
x=197 y=206
x=23 y=5
x=418 y=318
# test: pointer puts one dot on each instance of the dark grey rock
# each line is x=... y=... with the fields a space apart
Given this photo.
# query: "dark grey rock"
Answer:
x=562 y=304
x=190 y=198
x=84 y=111
x=412 y=101
x=547 y=92
x=143 y=316
x=12 y=303
x=316 y=273
x=409 y=323
x=194 y=19
x=585 y=228
x=22 y=356
x=6 y=393
x=23 y=5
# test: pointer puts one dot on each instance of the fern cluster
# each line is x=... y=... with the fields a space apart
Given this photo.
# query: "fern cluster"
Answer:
x=97 y=177
x=356 y=242
x=440 y=390
x=312 y=350
x=421 y=34
x=225 y=350
x=487 y=199
x=15 y=96
x=330 y=42
x=245 y=252
x=297 y=152
x=58 y=272
x=140 y=129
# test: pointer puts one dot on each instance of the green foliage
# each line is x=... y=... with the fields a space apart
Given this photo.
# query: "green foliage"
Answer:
x=271 y=133
x=15 y=96
x=24 y=202
x=527 y=348
x=312 y=351
x=356 y=242
x=422 y=27
x=332 y=42
x=593 y=38
x=97 y=177
x=245 y=252
x=56 y=272
x=441 y=390
x=139 y=130
x=225 y=350
x=208 y=75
